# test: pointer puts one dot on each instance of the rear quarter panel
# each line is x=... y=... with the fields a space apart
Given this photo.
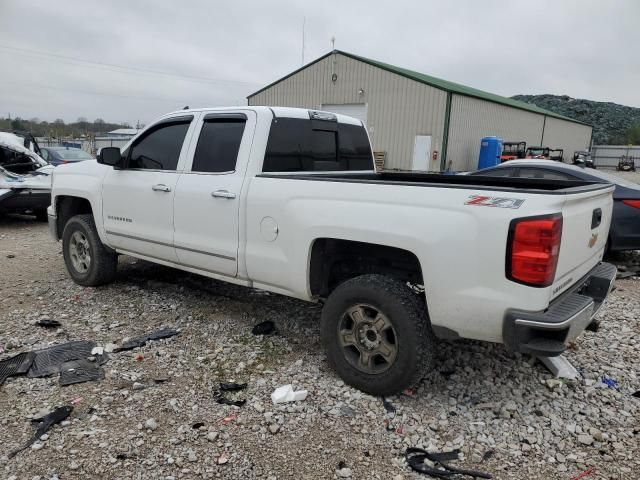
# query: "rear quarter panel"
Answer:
x=461 y=248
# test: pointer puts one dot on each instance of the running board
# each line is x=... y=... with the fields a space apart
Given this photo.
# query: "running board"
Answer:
x=560 y=367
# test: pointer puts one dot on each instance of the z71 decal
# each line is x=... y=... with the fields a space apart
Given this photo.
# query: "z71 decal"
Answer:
x=501 y=202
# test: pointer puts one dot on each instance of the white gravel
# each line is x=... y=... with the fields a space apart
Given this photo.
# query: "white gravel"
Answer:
x=502 y=410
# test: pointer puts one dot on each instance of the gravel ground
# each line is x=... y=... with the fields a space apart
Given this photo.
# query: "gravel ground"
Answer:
x=155 y=415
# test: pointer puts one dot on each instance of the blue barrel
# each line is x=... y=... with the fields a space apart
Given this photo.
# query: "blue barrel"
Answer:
x=490 y=151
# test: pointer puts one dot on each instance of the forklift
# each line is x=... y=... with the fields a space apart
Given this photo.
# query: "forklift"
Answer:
x=513 y=151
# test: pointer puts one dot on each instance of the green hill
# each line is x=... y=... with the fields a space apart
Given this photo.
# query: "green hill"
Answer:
x=611 y=122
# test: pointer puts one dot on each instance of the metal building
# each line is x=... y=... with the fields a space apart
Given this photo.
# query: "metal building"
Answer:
x=419 y=122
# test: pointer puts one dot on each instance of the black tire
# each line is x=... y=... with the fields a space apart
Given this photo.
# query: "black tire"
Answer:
x=405 y=311
x=41 y=215
x=102 y=263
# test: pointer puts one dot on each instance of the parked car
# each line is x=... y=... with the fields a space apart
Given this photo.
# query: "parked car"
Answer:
x=61 y=155
x=624 y=233
x=288 y=200
x=25 y=182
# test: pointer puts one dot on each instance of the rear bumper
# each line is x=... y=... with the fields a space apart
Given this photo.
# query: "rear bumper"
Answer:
x=546 y=333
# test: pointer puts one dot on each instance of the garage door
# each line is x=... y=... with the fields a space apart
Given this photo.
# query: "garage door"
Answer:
x=355 y=110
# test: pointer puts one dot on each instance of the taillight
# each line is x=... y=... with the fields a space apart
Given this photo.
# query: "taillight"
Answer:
x=532 y=250
x=632 y=203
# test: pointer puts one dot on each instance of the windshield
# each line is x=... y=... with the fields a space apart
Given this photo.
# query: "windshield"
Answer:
x=73 y=154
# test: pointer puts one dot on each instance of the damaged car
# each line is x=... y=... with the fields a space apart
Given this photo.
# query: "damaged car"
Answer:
x=25 y=177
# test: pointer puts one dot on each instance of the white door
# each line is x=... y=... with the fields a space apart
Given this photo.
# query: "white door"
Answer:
x=355 y=110
x=208 y=195
x=137 y=200
x=421 y=153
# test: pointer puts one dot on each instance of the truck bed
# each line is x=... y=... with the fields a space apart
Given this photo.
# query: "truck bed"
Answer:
x=477 y=182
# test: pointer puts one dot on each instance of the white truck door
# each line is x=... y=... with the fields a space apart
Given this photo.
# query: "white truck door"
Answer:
x=138 y=199
x=208 y=194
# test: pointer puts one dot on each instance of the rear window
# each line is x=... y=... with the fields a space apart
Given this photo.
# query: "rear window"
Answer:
x=300 y=145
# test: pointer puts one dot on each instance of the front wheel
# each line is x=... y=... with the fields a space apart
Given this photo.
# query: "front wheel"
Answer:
x=88 y=262
x=377 y=334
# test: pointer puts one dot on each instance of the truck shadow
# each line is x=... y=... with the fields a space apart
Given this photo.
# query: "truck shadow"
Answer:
x=472 y=372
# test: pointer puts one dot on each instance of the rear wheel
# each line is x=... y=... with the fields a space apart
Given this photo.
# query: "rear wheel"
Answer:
x=377 y=334
x=88 y=262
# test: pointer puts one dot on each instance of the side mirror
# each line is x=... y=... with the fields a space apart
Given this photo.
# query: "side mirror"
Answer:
x=110 y=156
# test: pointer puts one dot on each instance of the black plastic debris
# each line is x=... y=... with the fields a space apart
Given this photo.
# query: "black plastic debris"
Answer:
x=634 y=394
x=48 y=323
x=17 y=365
x=388 y=406
x=197 y=425
x=487 y=455
x=264 y=328
x=142 y=340
x=220 y=397
x=416 y=457
x=232 y=387
x=78 y=371
x=49 y=361
x=45 y=423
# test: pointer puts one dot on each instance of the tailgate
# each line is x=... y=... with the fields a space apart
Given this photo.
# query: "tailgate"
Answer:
x=585 y=229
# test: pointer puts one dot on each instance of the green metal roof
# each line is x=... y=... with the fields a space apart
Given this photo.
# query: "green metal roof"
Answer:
x=435 y=82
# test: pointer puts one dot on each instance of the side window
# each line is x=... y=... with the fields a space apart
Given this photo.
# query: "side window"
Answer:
x=218 y=145
x=294 y=145
x=159 y=149
x=544 y=174
x=45 y=155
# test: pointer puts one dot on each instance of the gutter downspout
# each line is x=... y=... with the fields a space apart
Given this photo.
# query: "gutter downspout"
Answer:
x=445 y=133
x=544 y=125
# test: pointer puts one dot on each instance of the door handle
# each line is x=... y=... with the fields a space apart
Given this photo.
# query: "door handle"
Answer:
x=161 y=187
x=223 y=194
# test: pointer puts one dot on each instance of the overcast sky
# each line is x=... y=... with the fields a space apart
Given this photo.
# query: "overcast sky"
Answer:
x=224 y=50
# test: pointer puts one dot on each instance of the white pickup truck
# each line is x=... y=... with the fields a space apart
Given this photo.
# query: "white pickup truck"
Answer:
x=288 y=200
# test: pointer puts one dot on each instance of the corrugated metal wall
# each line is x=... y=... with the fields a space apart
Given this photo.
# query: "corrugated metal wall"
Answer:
x=610 y=155
x=398 y=109
x=566 y=135
x=472 y=118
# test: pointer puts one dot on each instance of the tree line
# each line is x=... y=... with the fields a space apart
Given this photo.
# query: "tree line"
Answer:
x=58 y=128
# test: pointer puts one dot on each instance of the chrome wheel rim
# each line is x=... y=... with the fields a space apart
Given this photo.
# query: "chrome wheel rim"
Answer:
x=80 y=252
x=367 y=339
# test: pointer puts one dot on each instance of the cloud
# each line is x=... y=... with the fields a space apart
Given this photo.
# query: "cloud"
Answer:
x=61 y=62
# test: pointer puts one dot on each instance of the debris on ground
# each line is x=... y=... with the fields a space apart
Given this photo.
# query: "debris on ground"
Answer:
x=48 y=323
x=52 y=360
x=388 y=406
x=79 y=371
x=286 y=394
x=232 y=387
x=609 y=382
x=142 y=340
x=45 y=423
x=264 y=328
x=433 y=464
x=17 y=365
x=222 y=399
x=583 y=474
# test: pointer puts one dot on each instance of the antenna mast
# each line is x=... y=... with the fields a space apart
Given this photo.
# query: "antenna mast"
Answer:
x=304 y=21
